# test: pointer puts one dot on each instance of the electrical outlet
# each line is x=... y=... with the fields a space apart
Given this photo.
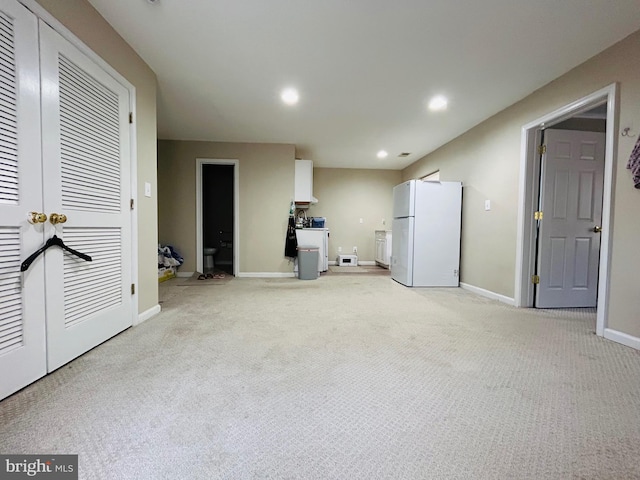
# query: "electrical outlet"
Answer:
x=355 y=249
x=487 y=205
x=362 y=220
x=339 y=249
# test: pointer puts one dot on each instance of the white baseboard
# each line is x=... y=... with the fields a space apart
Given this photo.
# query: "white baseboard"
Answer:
x=147 y=314
x=489 y=294
x=266 y=274
x=184 y=274
x=623 y=338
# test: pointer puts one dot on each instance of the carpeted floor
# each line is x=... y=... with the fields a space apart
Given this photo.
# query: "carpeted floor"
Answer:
x=345 y=377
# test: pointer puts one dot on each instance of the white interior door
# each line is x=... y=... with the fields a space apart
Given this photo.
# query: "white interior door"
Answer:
x=22 y=332
x=86 y=166
x=571 y=192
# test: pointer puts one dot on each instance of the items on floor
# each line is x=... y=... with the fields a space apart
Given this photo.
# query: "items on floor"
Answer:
x=209 y=276
x=168 y=262
x=347 y=261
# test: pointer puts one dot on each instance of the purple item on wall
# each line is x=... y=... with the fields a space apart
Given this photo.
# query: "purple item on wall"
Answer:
x=634 y=164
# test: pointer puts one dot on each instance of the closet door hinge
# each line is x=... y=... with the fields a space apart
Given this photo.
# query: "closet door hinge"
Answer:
x=538 y=215
x=542 y=149
x=133 y=289
x=535 y=279
x=130 y=117
x=131 y=204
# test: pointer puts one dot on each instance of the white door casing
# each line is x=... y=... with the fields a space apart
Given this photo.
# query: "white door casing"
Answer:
x=571 y=199
x=22 y=328
x=86 y=168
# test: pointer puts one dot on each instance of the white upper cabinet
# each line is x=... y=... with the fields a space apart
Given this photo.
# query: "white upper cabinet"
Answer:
x=303 y=191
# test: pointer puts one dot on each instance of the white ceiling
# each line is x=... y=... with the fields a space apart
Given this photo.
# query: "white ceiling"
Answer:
x=364 y=68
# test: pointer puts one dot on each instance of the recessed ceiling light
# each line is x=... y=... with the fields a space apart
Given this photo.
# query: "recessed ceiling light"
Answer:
x=382 y=154
x=290 y=96
x=438 y=103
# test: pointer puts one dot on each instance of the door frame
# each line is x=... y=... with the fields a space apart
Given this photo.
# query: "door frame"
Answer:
x=40 y=12
x=528 y=197
x=236 y=210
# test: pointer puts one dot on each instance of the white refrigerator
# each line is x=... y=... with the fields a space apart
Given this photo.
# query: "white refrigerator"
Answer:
x=426 y=233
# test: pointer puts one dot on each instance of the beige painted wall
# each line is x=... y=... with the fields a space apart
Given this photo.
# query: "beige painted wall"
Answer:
x=347 y=195
x=487 y=159
x=89 y=26
x=266 y=190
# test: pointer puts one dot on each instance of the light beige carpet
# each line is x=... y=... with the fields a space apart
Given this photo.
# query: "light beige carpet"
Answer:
x=345 y=377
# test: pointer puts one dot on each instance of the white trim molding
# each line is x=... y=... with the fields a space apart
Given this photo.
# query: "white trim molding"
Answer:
x=236 y=210
x=184 y=274
x=623 y=338
x=266 y=275
x=528 y=193
x=488 y=294
x=147 y=314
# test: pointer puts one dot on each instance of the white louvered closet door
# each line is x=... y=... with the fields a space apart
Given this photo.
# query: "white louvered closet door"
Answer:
x=86 y=166
x=22 y=329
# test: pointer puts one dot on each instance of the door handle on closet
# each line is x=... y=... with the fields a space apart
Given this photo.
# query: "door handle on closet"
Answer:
x=35 y=217
x=56 y=218
x=597 y=229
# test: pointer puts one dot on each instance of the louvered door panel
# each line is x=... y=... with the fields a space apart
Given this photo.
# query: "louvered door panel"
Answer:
x=9 y=186
x=91 y=287
x=11 y=319
x=88 y=180
x=22 y=313
x=89 y=141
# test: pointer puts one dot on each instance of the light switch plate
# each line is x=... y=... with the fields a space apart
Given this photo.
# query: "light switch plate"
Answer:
x=147 y=189
x=487 y=205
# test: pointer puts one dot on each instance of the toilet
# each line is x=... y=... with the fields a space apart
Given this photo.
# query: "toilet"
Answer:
x=209 y=264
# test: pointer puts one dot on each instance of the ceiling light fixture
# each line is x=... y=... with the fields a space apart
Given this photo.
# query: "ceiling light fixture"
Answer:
x=438 y=103
x=290 y=96
x=382 y=154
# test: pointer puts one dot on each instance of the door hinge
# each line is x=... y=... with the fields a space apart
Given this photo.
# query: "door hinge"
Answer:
x=538 y=215
x=542 y=149
x=131 y=204
x=133 y=289
x=535 y=279
x=130 y=117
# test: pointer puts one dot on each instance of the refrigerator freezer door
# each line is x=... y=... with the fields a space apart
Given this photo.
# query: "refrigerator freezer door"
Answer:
x=402 y=251
x=403 y=199
x=436 y=259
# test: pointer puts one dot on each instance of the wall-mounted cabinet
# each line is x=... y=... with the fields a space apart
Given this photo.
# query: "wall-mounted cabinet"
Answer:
x=303 y=190
x=383 y=248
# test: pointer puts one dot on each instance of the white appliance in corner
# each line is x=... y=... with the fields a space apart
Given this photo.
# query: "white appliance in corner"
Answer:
x=426 y=233
x=318 y=237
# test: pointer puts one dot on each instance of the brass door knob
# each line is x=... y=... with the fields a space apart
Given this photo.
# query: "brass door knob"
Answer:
x=35 y=217
x=56 y=218
x=597 y=229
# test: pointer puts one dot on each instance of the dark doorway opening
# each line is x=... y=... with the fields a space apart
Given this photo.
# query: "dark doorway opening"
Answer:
x=217 y=217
